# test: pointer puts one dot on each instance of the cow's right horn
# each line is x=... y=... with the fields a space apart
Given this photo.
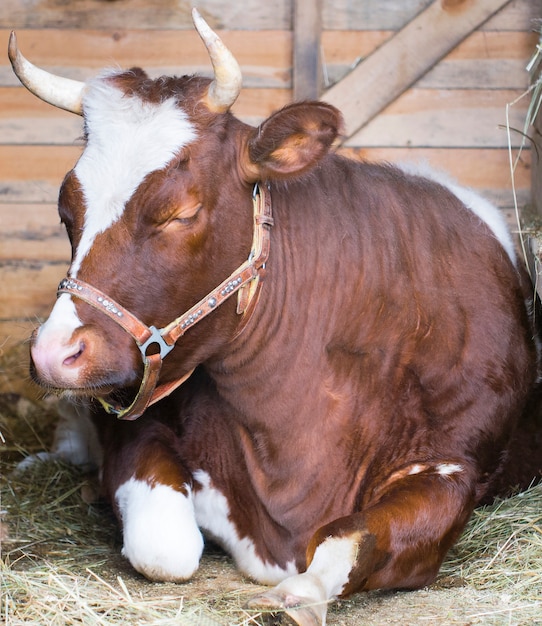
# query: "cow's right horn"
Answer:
x=63 y=93
x=226 y=86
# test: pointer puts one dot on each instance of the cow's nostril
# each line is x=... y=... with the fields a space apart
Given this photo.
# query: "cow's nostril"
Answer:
x=71 y=359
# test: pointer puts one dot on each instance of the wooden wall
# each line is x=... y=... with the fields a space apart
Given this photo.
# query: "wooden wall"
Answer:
x=451 y=115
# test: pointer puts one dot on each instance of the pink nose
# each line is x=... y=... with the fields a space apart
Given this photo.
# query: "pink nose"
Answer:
x=57 y=363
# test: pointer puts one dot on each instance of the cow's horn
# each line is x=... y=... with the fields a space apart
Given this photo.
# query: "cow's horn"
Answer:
x=226 y=86
x=63 y=93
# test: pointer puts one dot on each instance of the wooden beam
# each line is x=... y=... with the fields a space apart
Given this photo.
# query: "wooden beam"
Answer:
x=307 y=69
x=406 y=57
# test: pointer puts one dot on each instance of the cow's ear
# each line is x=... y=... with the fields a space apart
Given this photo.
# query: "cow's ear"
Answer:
x=292 y=140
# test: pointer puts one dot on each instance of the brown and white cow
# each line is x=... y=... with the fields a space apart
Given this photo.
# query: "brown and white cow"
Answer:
x=358 y=336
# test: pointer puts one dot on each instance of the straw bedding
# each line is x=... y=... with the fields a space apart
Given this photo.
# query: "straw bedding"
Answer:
x=61 y=564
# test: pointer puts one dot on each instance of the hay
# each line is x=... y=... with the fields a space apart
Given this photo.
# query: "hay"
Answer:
x=53 y=596
x=60 y=560
x=61 y=565
x=534 y=67
x=501 y=549
x=528 y=220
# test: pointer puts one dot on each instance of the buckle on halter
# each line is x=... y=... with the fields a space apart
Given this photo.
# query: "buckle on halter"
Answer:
x=156 y=337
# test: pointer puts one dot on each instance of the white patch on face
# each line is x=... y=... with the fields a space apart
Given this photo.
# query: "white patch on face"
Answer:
x=128 y=139
x=161 y=538
x=213 y=517
x=54 y=344
x=62 y=321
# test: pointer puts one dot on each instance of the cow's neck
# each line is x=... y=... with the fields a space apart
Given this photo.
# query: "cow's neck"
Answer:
x=267 y=356
x=282 y=370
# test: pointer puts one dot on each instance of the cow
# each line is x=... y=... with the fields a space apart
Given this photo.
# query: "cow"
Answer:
x=318 y=362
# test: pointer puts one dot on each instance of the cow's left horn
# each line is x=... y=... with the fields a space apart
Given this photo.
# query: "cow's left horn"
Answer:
x=226 y=86
x=63 y=93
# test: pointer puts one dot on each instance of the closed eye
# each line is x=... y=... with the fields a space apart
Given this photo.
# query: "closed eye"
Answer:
x=187 y=216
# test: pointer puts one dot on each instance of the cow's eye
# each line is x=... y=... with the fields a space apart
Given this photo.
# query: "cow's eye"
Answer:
x=183 y=214
x=187 y=216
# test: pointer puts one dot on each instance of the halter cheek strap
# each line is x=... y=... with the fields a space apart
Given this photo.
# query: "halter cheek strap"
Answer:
x=245 y=281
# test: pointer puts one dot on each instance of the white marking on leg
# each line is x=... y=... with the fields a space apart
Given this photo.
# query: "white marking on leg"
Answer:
x=128 y=139
x=307 y=595
x=76 y=440
x=213 y=517
x=161 y=537
x=328 y=571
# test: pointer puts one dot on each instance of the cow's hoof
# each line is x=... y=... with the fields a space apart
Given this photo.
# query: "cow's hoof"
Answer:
x=279 y=608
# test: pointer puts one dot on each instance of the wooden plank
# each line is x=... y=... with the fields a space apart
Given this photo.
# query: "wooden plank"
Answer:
x=445 y=118
x=33 y=173
x=40 y=163
x=370 y=15
x=307 y=70
x=254 y=105
x=32 y=231
x=265 y=58
x=485 y=170
x=251 y=15
x=24 y=119
x=394 y=14
x=518 y=15
x=485 y=59
x=19 y=307
x=394 y=67
x=27 y=119
x=536 y=132
x=222 y=14
x=40 y=281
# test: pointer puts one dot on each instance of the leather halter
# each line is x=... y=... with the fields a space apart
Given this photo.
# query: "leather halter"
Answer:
x=245 y=281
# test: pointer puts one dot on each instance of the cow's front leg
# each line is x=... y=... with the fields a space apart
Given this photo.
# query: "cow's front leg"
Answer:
x=161 y=538
x=152 y=496
x=397 y=542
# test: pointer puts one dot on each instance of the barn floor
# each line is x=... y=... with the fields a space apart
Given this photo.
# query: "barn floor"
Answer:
x=61 y=563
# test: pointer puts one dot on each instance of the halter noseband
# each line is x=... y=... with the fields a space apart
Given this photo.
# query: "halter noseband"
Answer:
x=245 y=281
